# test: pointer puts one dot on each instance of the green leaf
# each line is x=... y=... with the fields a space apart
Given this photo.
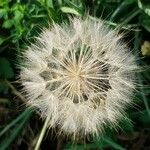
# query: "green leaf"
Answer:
x=15 y=121
x=49 y=3
x=3 y=87
x=18 y=16
x=71 y=146
x=76 y=5
x=3 y=12
x=144 y=117
x=100 y=143
x=70 y=10
x=8 y=24
x=18 y=125
x=130 y=1
x=32 y=8
x=144 y=7
x=2 y=39
x=126 y=125
x=121 y=9
x=5 y=69
x=107 y=142
x=113 y=144
x=145 y=22
x=4 y=3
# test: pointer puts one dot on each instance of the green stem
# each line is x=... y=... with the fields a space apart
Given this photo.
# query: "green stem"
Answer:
x=122 y=5
x=42 y=134
x=135 y=12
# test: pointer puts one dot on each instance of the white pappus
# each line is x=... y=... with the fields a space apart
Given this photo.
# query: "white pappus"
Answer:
x=80 y=75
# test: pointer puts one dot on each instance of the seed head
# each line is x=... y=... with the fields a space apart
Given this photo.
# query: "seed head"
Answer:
x=80 y=75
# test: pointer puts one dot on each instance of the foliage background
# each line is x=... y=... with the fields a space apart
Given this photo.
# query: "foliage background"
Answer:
x=21 y=21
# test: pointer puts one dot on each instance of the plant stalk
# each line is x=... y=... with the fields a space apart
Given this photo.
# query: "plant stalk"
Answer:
x=42 y=134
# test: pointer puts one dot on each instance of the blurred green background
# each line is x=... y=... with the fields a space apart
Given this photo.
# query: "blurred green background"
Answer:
x=21 y=21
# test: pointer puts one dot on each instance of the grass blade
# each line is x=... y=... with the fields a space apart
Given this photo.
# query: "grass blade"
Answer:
x=113 y=144
x=20 y=117
x=5 y=143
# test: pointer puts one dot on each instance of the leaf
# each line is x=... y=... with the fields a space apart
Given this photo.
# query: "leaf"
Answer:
x=76 y=5
x=3 y=88
x=106 y=142
x=3 y=12
x=5 y=143
x=15 y=121
x=49 y=3
x=100 y=143
x=2 y=39
x=126 y=125
x=32 y=8
x=144 y=117
x=145 y=22
x=144 y=7
x=6 y=70
x=121 y=8
x=130 y=1
x=70 y=10
x=113 y=144
x=18 y=16
x=71 y=146
x=8 y=24
x=4 y=3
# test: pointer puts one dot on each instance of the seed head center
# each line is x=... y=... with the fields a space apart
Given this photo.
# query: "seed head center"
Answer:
x=76 y=74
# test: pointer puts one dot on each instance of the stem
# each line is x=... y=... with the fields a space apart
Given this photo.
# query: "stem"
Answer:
x=122 y=5
x=135 y=12
x=14 y=90
x=126 y=27
x=42 y=133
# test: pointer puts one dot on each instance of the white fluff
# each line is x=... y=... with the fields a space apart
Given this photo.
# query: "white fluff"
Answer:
x=81 y=75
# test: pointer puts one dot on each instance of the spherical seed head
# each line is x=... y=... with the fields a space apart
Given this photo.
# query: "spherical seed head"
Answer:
x=80 y=75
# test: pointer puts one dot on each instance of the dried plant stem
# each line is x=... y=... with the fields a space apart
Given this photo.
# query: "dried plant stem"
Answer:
x=42 y=134
x=14 y=90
